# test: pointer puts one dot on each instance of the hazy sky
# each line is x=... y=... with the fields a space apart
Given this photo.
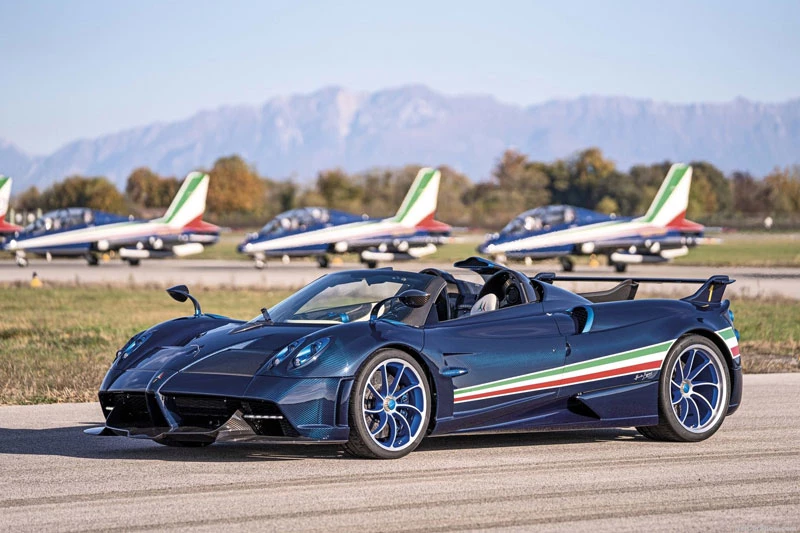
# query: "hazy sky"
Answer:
x=74 y=69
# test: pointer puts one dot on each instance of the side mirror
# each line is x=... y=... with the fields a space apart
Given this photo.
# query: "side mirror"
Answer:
x=180 y=293
x=412 y=298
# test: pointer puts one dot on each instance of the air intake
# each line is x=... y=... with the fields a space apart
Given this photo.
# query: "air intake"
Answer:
x=583 y=317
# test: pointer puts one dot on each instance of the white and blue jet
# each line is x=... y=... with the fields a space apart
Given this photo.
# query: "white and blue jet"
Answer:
x=560 y=231
x=319 y=232
x=88 y=233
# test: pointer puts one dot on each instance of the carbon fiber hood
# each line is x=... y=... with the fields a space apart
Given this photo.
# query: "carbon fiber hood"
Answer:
x=204 y=345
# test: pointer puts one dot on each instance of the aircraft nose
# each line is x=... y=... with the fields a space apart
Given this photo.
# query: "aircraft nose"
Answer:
x=486 y=248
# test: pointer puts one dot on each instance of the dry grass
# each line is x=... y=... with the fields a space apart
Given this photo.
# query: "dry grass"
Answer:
x=56 y=343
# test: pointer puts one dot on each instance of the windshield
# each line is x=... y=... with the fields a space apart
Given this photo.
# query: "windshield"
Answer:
x=540 y=218
x=296 y=219
x=348 y=297
x=61 y=219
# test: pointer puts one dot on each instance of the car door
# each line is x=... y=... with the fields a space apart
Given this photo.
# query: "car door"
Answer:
x=496 y=364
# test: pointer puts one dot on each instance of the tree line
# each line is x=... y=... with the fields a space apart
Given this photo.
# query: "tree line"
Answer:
x=239 y=196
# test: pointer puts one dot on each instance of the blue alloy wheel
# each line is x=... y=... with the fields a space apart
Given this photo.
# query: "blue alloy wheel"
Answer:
x=694 y=391
x=390 y=406
x=696 y=394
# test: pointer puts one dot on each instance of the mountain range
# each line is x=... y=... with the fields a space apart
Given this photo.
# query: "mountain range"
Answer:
x=299 y=135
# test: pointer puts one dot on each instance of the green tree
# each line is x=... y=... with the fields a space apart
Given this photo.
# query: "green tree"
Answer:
x=235 y=187
x=710 y=193
x=339 y=191
x=146 y=188
x=28 y=200
x=78 y=191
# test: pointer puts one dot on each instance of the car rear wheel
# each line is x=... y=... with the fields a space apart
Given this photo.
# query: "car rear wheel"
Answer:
x=694 y=392
x=389 y=406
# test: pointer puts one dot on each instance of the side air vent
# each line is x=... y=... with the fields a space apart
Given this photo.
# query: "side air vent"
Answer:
x=583 y=317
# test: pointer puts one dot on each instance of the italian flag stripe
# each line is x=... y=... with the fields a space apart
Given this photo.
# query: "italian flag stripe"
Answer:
x=585 y=365
x=643 y=367
x=644 y=359
x=730 y=339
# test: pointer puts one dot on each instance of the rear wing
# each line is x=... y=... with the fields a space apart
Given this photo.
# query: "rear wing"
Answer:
x=710 y=291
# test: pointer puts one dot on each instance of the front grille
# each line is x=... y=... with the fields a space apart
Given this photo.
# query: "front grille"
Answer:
x=126 y=409
x=207 y=412
x=270 y=427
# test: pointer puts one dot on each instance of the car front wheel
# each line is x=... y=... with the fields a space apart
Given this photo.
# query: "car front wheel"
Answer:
x=389 y=406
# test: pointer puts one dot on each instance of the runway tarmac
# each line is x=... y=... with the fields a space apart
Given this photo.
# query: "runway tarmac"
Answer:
x=750 y=281
x=744 y=478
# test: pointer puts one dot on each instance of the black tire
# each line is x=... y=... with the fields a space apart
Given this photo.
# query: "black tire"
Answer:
x=362 y=443
x=134 y=262
x=372 y=264
x=693 y=428
x=566 y=264
x=620 y=267
x=322 y=261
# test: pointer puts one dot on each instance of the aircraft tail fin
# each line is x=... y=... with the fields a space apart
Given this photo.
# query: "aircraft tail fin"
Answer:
x=189 y=203
x=5 y=195
x=420 y=201
x=669 y=206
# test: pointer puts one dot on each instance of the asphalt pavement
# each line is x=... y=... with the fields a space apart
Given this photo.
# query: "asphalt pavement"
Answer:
x=744 y=478
x=750 y=281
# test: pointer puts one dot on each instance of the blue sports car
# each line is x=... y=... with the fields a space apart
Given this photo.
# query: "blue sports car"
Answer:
x=378 y=359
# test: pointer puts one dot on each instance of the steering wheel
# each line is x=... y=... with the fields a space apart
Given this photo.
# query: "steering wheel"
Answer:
x=505 y=287
x=511 y=294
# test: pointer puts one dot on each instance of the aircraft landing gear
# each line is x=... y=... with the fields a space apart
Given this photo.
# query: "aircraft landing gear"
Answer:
x=620 y=267
x=260 y=263
x=92 y=260
x=322 y=261
x=22 y=261
x=371 y=264
x=566 y=263
x=133 y=262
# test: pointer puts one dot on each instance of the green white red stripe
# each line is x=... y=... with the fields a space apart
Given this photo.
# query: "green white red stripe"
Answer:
x=731 y=341
x=643 y=359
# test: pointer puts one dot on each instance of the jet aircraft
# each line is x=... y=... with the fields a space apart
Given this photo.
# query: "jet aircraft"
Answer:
x=6 y=228
x=318 y=232
x=662 y=234
x=88 y=233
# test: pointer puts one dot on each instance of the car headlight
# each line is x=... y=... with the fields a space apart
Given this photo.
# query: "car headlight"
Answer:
x=279 y=357
x=132 y=345
x=311 y=352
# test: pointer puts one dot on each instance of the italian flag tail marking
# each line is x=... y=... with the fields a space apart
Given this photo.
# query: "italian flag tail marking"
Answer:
x=189 y=203
x=5 y=194
x=669 y=205
x=420 y=202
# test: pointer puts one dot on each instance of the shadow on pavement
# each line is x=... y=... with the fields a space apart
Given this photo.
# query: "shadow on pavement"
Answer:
x=72 y=442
